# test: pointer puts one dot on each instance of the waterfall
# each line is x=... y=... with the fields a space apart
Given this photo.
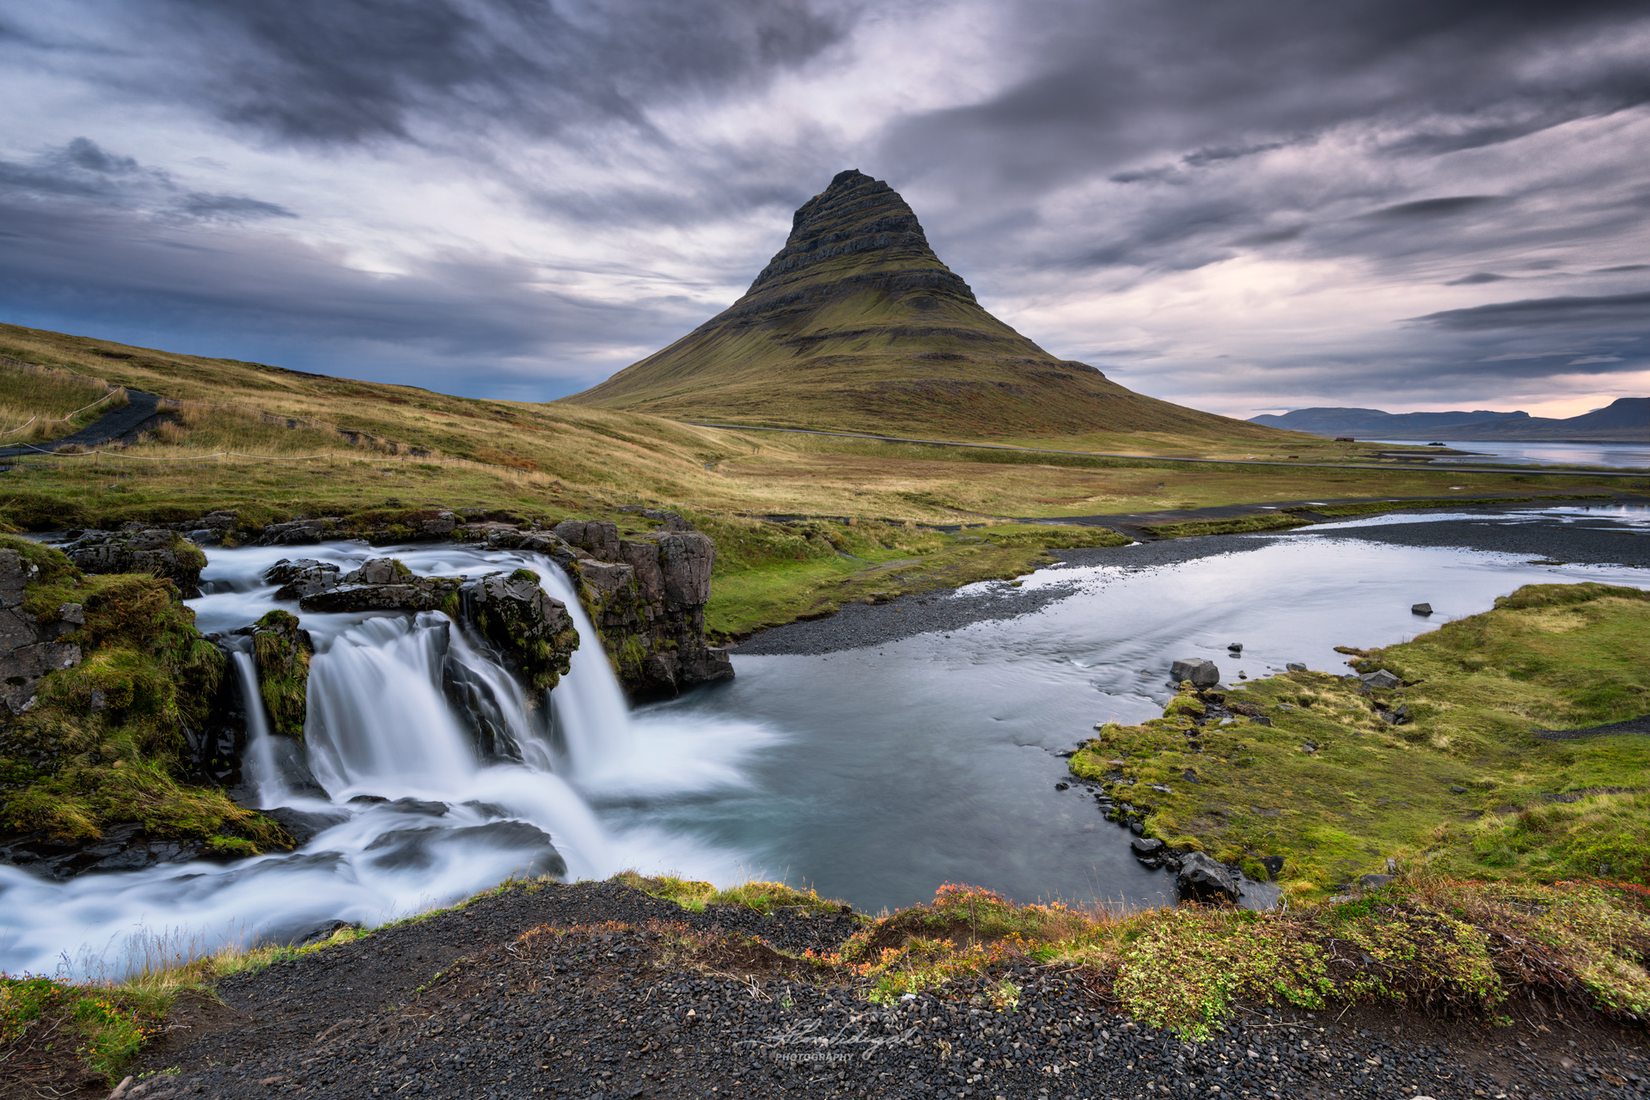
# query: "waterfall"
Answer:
x=261 y=769
x=378 y=722
x=590 y=712
x=426 y=774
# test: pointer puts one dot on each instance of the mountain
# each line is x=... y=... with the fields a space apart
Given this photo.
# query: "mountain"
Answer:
x=1625 y=420
x=855 y=324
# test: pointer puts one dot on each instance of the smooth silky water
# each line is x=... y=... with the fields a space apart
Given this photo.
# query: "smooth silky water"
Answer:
x=873 y=774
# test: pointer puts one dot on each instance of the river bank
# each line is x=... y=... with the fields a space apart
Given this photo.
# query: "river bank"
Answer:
x=1566 y=534
x=607 y=990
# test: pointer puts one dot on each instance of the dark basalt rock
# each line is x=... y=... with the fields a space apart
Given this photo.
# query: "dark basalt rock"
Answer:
x=1203 y=878
x=1201 y=673
x=157 y=550
x=121 y=848
x=30 y=647
x=533 y=632
x=301 y=577
x=649 y=606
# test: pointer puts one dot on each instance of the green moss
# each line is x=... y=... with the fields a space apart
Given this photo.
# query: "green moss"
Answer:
x=105 y=741
x=282 y=651
x=763 y=897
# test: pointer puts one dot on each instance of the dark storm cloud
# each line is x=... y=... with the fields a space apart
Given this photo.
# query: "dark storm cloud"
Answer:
x=452 y=324
x=1177 y=98
x=321 y=72
x=82 y=173
x=1544 y=313
x=1434 y=208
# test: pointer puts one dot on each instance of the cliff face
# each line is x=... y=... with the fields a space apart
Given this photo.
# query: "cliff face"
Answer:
x=856 y=324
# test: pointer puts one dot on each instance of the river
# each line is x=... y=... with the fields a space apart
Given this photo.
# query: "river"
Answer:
x=873 y=773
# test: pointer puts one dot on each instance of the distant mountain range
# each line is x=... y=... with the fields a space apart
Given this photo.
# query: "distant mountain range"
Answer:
x=1625 y=420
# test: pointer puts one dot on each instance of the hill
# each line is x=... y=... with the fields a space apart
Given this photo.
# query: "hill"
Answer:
x=856 y=324
x=1625 y=420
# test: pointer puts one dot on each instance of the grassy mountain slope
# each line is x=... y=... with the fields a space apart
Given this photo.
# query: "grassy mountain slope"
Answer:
x=857 y=325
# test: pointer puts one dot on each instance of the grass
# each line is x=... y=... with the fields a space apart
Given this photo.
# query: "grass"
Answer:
x=1309 y=767
x=38 y=403
x=761 y=897
x=274 y=445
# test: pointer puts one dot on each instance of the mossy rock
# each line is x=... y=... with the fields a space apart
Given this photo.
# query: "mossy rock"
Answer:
x=282 y=649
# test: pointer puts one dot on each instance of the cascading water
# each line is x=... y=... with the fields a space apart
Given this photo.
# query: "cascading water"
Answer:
x=410 y=812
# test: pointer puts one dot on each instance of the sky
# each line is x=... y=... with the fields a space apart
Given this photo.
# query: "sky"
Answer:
x=1241 y=205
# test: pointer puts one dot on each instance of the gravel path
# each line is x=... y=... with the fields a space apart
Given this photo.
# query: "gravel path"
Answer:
x=140 y=408
x=669 y=1004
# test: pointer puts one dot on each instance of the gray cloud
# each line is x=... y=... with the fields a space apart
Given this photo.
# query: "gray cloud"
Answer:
x=1097 y=147
x=315 y=71
x=1607 y=310
x=82 y=171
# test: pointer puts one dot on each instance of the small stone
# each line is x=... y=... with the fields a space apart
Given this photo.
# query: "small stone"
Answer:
x=1421 y=609
x=1295 y=666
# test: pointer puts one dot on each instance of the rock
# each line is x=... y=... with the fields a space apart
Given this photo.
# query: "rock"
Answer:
x=599 y=538
x=649 y=609
x=1295 y=666
x=1147 y=847
x=514 y=614
x=301 y=577
x=1201 y=673
x=1421 y=609
x=1235 y=647
x=155 y=550
x=1202 y=878
x=1456 y=788
x=1373 y=882
x=1380 y=679
x=298 y=532
x=281 y=649
x=30 y=647
x=1273 y=865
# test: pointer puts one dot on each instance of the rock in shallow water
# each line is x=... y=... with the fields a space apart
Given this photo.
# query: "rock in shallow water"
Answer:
x=1201 y=673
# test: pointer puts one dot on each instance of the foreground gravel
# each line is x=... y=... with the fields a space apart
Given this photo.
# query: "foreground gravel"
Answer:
x=672 y=1004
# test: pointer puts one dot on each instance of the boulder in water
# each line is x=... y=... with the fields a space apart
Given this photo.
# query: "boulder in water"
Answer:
x=281 y=649
x=533 y=632
x=301 y=577
x=1201 y=673
x=1203 y=878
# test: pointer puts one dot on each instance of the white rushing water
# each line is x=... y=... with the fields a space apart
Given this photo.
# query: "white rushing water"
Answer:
x=412 y=814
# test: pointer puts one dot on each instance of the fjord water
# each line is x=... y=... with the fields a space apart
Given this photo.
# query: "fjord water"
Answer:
x=874 y=774
x=1615 y=455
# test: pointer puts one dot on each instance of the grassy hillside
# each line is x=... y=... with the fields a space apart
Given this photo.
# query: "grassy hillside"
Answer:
x=275 y=444
x=857 y=325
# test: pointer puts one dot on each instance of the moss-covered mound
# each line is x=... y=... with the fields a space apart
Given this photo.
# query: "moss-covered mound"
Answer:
x=1453 y=768
x=282 y=650
x=106 y=740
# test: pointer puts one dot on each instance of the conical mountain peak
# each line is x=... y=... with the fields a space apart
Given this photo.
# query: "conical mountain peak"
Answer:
x=857 y=224
x=855 y=324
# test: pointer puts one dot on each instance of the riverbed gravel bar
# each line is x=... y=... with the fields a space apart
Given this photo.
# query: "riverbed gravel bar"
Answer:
x=1590 y=539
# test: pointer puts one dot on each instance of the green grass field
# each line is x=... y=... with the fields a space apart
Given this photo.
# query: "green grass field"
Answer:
x=1310 y=770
